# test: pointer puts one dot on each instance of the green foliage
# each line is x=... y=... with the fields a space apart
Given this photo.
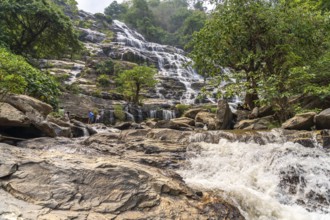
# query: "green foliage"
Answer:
x=32 y=27
x=74 y=88
x=18 y=76
x=115 y=10
x=97 y=93
x=103 y=80
x=182 y=108
x=105 y=67
x=119 y=112
x=69 y=7
x=103 y=17
x=62 y=77
x=268 y=49
x=168 y=22
x=132 y=82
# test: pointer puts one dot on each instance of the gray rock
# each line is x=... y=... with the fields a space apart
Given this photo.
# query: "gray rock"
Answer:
x=208 y=119
x=177 y=125
x=254 y=113
x=255 y=124
x=184 y=120
x=123 y=125
x=306 y=142
x=322 y=120
x=59 y=184
x=191 y=113
x=303 y=121
x=51 y=129
x=10 y=116
x=224 y=116
x=27 y=104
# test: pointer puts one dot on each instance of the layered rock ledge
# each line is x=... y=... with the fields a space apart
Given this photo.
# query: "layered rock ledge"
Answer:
x=111 y=175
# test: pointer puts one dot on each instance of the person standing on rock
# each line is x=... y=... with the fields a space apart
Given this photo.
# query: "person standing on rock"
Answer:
x=90 y=117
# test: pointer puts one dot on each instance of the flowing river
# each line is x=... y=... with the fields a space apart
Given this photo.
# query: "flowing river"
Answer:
x=267 y=182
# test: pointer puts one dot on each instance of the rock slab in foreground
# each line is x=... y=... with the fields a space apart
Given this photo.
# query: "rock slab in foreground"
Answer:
x=56 y=183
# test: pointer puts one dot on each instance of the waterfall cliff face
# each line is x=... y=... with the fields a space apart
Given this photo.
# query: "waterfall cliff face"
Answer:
x=274 y=181
x=177 y=79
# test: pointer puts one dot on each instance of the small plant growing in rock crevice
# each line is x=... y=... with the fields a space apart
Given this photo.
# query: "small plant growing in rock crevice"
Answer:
x=182 y=108
x=119 y=112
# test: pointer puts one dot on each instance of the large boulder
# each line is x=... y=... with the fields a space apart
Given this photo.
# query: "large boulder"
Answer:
x=256 y=124
x=322 y=120
x=26 y=117
x=303 y=121
x=51 y=129
x=29 y=105
x=208 y=119
x=191 y=113
x=10 y=116
x=184 y=120
x=176 y=125
x=224 y=116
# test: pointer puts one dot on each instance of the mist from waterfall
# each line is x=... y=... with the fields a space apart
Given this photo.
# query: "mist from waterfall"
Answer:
x=267 y=182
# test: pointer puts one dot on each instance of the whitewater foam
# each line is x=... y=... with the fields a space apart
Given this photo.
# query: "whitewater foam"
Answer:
x=274 y=181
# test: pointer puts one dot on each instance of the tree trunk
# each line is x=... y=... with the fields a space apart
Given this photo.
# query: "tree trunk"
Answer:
x=137 y=92
x=250 y=99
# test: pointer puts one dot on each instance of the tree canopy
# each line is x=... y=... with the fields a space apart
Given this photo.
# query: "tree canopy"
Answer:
x=133 y=82
x=168 y=22
x=36 y=28
x=270 y=48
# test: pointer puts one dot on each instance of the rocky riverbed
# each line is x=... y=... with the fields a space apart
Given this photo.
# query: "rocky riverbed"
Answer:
x=110 y=175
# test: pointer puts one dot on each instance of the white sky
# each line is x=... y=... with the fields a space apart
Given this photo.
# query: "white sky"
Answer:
x=94 y=6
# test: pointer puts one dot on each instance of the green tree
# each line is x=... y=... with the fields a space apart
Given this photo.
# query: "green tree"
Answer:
x=115 y=10
x=18 y=76
x=36 y=28
x=132 y=82
x=267 y=47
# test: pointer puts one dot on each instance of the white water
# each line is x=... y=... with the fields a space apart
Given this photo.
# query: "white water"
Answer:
x=170 y=61
x=168 y=114
x=256 y=178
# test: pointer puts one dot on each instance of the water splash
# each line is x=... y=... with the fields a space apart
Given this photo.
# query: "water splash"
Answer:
x=268 y=182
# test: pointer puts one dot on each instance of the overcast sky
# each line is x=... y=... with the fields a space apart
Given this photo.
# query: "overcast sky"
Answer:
x=94 y=5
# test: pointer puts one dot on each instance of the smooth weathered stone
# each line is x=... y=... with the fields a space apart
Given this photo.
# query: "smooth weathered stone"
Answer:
x=303 y=121
x=322 y=120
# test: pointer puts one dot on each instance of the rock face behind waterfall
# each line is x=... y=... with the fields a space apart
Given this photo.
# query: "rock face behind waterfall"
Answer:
x=175 y=75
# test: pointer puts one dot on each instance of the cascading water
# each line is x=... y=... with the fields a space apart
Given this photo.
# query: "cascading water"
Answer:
x=153 y=114
x=267 y=182
x=168 y=114
x=175 y=75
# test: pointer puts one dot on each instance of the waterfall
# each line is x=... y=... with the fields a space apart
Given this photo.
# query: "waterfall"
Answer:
x=112 y=117
x=153 y=113
x=140 y=115
x=129 y=116
x=168 y=114
x=267 y=182
x=175 y=75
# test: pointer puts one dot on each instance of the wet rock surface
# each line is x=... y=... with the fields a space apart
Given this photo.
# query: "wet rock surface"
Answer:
x=110 y=175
